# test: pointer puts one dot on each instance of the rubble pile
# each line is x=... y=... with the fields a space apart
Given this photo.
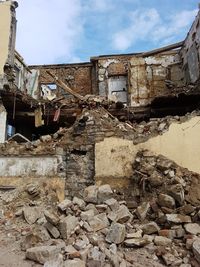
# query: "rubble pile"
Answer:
x=167 y=205
x=91 y=126
x=157 y=226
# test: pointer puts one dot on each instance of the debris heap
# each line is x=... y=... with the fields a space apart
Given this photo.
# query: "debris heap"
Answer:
x=157 y=226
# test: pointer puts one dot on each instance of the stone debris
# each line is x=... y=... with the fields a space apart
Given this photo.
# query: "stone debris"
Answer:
x=65 y=204
x=43 y=253
x=178 y=218
x=99 y=222
x=142 y=210
x=52 y=230
x=192 y=228
x=116 y=233
x=196 y=249
x=166 y=201
x=104 y=193
x=162 y=241
x=135 y=242
x=150 y=228
x=51 y=217
x=103 y=227
x=31 y=214
x=90 y=194
x=74 y=263
x=67 y=226
x=57 y=262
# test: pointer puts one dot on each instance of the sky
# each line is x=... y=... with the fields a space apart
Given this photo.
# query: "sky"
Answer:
x=68 y=31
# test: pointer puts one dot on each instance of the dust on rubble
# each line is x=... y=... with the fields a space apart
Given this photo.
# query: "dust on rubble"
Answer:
x=158 y=225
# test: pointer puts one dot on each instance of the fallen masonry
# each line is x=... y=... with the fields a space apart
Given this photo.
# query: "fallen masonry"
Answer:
x=99 y=161
x=102 y=228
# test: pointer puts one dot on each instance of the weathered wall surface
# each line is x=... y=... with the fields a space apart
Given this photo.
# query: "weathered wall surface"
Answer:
x=110 y=67
x=181 y=143
x=79 y=171
x=22 y=74
x=76 y=76
x=5 y=24
x=3 y=123
x=190 y=53
x=147 y=77
x=28 y=166
x=142 y=78
x=47 y=171
x=8 y=33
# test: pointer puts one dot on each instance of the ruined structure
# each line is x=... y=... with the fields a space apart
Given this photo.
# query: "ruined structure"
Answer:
x=39 y=100
x=130 y=121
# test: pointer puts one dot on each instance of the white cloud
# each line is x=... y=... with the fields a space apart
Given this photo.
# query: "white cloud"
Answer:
x=148 y=25
x=99 y=5
x=48 y=30
x=142 y=23
x=175 y=25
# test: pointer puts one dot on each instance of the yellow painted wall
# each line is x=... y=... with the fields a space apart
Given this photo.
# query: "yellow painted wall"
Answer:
x=181 y=143
x=5 y=24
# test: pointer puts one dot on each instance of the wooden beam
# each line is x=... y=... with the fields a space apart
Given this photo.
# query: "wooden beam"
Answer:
x=64 y=86
x=25 y=113
x=162 y=49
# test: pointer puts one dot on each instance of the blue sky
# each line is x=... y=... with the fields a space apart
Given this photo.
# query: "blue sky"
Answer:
x=65 y=31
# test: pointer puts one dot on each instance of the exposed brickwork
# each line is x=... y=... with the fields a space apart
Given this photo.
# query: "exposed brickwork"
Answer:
x=78 y=77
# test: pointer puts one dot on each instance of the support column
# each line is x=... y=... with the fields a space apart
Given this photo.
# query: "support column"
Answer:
x=3 y=123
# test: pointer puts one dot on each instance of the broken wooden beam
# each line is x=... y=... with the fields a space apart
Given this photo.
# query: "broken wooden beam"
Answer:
x=64 y=86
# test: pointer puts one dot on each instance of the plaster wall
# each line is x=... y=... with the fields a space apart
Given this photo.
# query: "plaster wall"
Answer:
x=3 y=124
x=42 y=166
x=47 y=171
x=181 y=143
x=147 y=77
x=5 y=25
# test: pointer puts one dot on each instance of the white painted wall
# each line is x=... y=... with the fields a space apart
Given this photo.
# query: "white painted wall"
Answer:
x=3 y=124
x=42 y=166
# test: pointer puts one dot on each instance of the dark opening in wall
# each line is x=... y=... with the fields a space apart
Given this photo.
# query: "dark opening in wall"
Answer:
x=79 y=152
x=180 y=105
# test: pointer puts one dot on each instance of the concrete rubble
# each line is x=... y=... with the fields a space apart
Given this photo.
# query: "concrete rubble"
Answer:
x=101 y=228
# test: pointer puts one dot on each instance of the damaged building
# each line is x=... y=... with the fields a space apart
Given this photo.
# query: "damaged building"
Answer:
x=130 y=121
x=136 y=89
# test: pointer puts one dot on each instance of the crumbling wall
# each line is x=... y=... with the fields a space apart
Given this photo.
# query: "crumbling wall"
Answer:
x=181 y=143
x=8 y=33
x=23 y=167
x=77 y=76
x=148 y=75
x=79 y=170
x=108 y=67
x=22 y=74
x=190 y=53
x=137 y=80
